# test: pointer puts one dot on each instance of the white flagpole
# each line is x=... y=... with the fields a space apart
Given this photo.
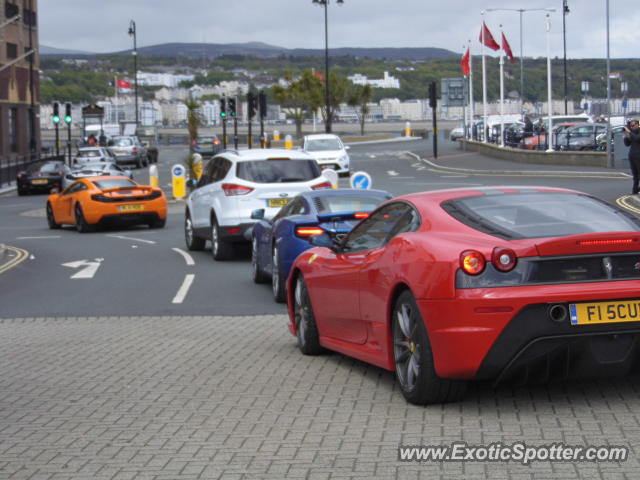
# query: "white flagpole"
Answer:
x=501 y=94
x=471 y=90
x=484 y=84
x=549 y=92
x=116 y=106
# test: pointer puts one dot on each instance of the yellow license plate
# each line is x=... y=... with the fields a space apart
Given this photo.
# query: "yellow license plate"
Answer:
x=40 y=181
x=131 y=208
x=278 y=202
x=605 y=312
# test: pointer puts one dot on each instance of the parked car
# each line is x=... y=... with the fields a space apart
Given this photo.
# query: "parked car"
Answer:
x=96 y=169
x=276 y=243
x=206 y=145
x=93 y=154
x=601 y=139
x=89 y=202
x=539 y=141
x=500 y=283
x=329 y=151
x=234 y=184
x=41 y=177
x=581 y=137
x=457 y=133
x=128 y=149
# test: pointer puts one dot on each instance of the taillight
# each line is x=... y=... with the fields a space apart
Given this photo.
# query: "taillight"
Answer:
x=321 y=186
x=134 y=150
x=504 y=259
x=231 y=189
x=216 y=142
x=472 y=262
x=603 y=243
x=308 y=231
x=361 y=215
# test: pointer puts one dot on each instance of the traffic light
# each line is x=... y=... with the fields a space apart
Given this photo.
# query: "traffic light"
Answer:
x=252 y=101
x=223 y=107
x=262 y=100
x=432 y=95
x=56 y=113
x=67 y=116
x=232 y=107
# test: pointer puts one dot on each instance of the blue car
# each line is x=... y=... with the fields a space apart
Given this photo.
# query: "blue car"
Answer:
x=276 y=243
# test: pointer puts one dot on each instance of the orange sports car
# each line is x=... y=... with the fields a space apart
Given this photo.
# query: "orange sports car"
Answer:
x=93 y=201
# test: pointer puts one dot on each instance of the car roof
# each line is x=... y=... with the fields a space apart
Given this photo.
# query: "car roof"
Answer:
x=264 y=154
x=321 y=136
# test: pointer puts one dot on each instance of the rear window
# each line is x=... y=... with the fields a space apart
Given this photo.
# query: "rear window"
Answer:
x=205 y=140
x=325 y=144
x=122 y=142
x=90 y=153
x=114 y=183
x=348 y=203
x=46 y=167
x=540 y=214
x=278 y=171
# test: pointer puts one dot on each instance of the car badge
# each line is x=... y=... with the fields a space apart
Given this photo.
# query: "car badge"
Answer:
x=312 y=258
x=608 y=266
x=284 y=195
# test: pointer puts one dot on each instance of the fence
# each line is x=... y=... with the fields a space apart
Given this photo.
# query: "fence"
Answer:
x=9 y=167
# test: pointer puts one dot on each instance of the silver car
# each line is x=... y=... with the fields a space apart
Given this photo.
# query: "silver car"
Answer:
x=96 y=169
x=128 y=149
x=92 y=154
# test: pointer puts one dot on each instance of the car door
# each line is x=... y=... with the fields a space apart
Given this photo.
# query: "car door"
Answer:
x=66 y=202
x=214 y=196
x=282 y=231
x=199 y=207
x=340 y=280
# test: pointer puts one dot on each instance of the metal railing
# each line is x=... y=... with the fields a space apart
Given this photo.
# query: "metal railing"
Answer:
x=9 y=167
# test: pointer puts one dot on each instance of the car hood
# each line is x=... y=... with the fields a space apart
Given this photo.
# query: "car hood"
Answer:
x=327 y=154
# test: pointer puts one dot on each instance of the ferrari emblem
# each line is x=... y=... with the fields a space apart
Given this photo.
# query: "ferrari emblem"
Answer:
x=312 y=258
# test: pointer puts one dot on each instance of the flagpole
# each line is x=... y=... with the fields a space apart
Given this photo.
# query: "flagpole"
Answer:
x=501 y=98
x=471 y=113
x=549 y=92
x=116 y=106
x=484 y=85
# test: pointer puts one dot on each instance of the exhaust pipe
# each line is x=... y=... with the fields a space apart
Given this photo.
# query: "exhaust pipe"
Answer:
x=558 y=312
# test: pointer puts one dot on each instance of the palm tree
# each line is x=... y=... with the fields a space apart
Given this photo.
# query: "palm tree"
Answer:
x=360 y=96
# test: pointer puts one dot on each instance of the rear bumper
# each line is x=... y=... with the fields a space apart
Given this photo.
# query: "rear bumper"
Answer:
x=98 y=212
x=236 y=233
x=27 y=186
x=126 y=159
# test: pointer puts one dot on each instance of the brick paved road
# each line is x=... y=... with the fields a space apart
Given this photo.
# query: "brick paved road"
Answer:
x=231 y=397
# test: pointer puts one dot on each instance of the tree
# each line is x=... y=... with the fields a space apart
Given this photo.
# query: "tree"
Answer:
x=300 y=98
x=194 y=120
x=360 y=96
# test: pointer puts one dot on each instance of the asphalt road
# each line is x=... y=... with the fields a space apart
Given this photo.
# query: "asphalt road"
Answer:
x=140 y=272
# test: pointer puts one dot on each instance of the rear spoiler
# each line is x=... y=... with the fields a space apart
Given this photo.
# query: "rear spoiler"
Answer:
x=133 y=187
x=342 y=216
x=586 y=243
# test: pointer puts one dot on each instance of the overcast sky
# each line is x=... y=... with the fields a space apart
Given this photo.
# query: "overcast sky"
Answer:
x=101 y=25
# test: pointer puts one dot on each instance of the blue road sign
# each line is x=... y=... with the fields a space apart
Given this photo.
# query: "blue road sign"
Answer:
x=178 y=171
x=360 y=180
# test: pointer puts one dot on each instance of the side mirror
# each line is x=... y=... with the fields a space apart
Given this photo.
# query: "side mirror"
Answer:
x=322 y=240
x=257 y=214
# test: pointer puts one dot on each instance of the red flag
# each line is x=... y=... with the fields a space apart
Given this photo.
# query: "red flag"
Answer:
x=507 y=49
x=464 y=63
x=488 y=38
x=120 y=83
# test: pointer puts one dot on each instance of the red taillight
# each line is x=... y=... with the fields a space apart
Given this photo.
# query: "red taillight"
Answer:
x=233 y=230
x=308 y=231
x=134 y=150
x=472 y=262
x=593 y=243
x=322 y=186
x=504 y=259
x=361 y=215
x=231 y=189
x=216 y=142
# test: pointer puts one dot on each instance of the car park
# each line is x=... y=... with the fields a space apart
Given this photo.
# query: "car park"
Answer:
x=127 y=150
x=538 y=141
x=92 y=154
x=206 y=145
x=329 y=152
x=41 y=177
x=92 y=201
x=276 y=243
x=580 y=137
x=96 y=169
x=237 y=182
x=523 y=284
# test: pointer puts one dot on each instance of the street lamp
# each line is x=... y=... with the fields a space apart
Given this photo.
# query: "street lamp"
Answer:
x=565 y=11
x=132 y=33
x=327 y=97
x=521 y=11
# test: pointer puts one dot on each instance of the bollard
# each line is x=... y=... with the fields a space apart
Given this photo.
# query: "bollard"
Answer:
x=288 y=142
x=276 y=135
x=178 y=181
x=154 y=180
x=407 y=129
x=197 y=166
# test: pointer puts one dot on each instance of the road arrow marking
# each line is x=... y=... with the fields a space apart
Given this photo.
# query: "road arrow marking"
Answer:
x=393 y=173
x=89 y=270
x=123 y=237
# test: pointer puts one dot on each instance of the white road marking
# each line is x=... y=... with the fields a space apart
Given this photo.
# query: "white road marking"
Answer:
x=187 y=258
x=393 y=173
x=89 y=270
x=403 y=178
x=35 y=238
x=122 y=237
x=184 y=288
x=372 y=156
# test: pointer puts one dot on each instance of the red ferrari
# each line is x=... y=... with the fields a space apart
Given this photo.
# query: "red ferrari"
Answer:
x=500 y=283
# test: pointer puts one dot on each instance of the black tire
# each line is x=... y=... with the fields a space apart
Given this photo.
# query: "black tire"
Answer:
x=220 y=249
x=193 y=242
x=81 y=223
x=277 y=282
x=258 y=275
x=413 y=358
x=158 y=223
x=51 y=219
x=308 y=337
x=22 y=192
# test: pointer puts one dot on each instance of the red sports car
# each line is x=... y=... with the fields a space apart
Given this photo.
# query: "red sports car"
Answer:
x=501 y=283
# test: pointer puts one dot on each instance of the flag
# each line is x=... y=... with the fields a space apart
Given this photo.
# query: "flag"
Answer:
x=507 y=49
x=488 y=38
x=120 y=83
x=464 y=63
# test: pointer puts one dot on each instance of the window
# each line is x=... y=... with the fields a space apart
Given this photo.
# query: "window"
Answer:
x=13 y=129
x=75 y=187
x=11 y=10
x=379 y=228
x=115 y=183
x=12 y=50
x=278 y=170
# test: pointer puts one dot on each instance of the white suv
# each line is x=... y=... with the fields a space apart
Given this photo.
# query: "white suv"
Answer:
x=234 y=184
x=329 y=151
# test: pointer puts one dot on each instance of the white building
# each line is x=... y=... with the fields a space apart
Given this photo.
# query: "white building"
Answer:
x=169 y=80
x=173 y=113
x=171 y=94
x=387 y=82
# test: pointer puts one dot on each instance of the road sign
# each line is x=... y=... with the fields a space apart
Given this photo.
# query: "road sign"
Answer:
x=89 y=270
x=178 y=181
x=360 y=180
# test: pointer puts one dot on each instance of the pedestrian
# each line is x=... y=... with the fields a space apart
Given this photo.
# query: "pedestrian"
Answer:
x=632 y=140
x=92 y=140
x=528 y=126
x=103 y=139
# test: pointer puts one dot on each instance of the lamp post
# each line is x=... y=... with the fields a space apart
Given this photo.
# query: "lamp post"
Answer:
x=327 y=96
x=609 y=151
x=565 y=11
x=521 y=11
x=132 y=33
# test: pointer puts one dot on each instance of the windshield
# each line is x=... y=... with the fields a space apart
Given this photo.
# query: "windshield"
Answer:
x=348 y=203
x=47 y=167
x=114 y=183
x=89 y=153
x=540 y=214
x=279 y=170
x=122 y=142
x=324 y=144
x=205 y=140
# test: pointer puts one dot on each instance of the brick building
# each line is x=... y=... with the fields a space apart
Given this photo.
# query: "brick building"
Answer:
x=19 y=85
